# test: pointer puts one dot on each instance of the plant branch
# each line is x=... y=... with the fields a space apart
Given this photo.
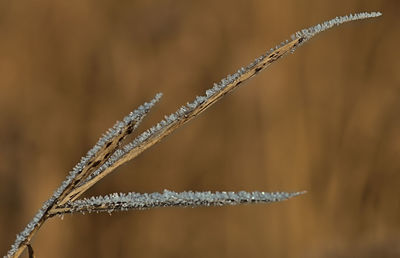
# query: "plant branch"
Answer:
x=108 y=154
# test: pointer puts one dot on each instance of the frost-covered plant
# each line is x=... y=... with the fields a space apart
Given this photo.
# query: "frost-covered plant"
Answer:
x=109 y=153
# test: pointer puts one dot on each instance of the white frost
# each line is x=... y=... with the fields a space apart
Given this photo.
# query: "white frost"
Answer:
x=134 y=201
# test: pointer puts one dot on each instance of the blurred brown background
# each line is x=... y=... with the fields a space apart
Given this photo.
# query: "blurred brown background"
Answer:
x=324 y=120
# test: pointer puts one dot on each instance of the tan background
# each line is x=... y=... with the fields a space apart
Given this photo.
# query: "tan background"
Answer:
x=325 y=120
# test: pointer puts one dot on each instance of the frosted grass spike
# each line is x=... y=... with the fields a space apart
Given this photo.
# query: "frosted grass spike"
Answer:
x=132 y=201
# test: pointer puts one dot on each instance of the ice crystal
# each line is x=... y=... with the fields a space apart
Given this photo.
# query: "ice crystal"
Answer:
x=139 y=201
x=314 y=30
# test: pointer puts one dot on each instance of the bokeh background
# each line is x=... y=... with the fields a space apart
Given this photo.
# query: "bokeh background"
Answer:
x=325 y=120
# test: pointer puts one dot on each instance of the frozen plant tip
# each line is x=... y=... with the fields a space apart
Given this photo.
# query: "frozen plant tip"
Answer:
x=109 y=153
x=138 y=201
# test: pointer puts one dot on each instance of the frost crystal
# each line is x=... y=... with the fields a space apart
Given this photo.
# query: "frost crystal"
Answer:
x=314 y=30
x=137 y=201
